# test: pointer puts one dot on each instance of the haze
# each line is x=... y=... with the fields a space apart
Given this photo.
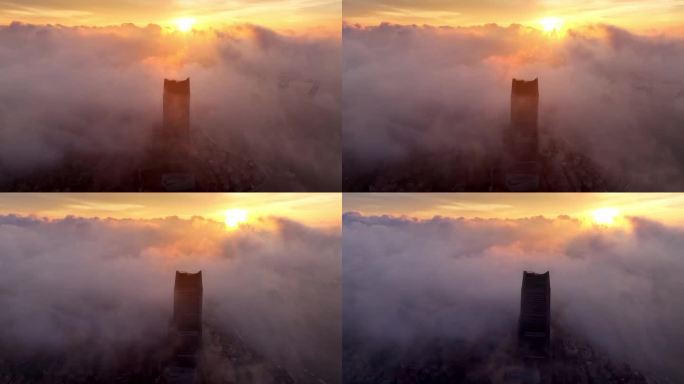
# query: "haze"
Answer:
x=320 y=210
x=426 y=106
x=663 y=207
x=95 y=93
x=632 y=14
x=299 y=15
x=412 y=285
x=105 y=285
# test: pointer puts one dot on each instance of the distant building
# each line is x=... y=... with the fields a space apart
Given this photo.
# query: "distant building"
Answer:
x=186 y=329
x=522 y=168
x=176 y=125
x=534 y=328
x=168 y=162
x=525 y=113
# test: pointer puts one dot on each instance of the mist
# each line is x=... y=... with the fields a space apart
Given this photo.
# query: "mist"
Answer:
x=96 y=291
x=96 y=93
x=612 y=95
x=409 y=283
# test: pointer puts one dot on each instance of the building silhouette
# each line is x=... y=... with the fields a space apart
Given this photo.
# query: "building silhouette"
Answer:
x=522 y=167
x=176 y=110
x=525 y=116
x=168 y=163
x=534 y=328
x=186 y=330
x=187 y=316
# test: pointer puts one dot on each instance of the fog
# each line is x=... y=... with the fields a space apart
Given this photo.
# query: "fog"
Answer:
x=87 y=92
x=409 y=282
x=612 y=95
x=88 y=289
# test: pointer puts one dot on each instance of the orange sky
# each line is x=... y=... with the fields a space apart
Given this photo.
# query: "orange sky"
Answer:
x=641 y=15
x=314 y=209
x=289 y=15
x=664 y=207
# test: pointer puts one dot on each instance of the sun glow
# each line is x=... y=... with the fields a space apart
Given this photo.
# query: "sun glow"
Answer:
x=551 y=24
x=605 y=216
x=235 y=217
x=185 y=24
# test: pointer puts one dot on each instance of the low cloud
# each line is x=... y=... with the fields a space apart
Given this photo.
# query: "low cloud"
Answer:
x=260 y=95
x=105 y=286
x=612 y=95
x=410 y=282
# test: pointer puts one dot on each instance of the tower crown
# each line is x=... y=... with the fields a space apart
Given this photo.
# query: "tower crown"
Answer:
x=188 y=281
x=177 y=86
x=525 y=88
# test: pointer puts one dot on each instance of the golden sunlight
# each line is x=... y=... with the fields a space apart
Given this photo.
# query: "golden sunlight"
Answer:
x=235 y=217
x=551 y=24
x=185 y=24
x=605 y=216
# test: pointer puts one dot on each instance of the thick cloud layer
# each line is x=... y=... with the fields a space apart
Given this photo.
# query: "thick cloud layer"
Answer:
x=609 y=94
x=89 y=288
x=267 y=97
x=407 y=282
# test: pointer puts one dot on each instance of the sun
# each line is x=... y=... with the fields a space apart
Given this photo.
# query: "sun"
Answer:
x=551 y=24
x=185 y=24
x=605 y=216
x=235 y=217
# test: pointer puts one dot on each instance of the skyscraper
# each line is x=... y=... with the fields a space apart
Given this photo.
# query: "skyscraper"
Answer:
x=187 y=316
x=525 y=108
x=534 y=332
x=168 y=163
x=522 y=168
x=176 y=122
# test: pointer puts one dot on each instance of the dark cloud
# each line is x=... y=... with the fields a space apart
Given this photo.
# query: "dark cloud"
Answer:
x=607 y=93
x=97 y=92
x=106 y=286
x=414 y=282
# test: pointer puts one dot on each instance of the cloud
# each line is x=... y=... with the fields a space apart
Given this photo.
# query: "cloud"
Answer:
x=298 y=15
x=437 y=11
x=106 y=286
x=96 y=93
x=612 y=95
x=410 y=282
